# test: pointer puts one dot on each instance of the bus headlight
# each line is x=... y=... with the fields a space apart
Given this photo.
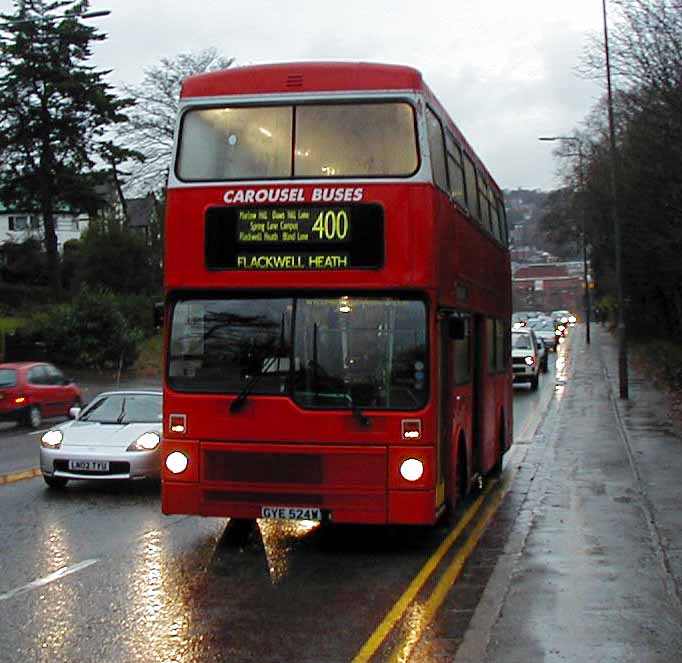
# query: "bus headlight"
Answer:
x=412 y=469
x=177 y=462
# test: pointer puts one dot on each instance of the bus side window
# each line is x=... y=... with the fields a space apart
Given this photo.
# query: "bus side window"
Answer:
x=495 y=219
x=455 y=170
x=463 y=354
x=470 y=186
x=483 y=202
x=503 y=221
x=437 y=150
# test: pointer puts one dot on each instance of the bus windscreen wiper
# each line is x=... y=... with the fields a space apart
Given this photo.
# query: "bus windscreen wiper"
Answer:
x=362 y=418
x=238 y=403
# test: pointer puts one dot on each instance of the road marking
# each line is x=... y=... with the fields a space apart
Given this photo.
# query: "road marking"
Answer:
x=20 y=476
x=41 y=582
x=398 y=610
x=402 y=651
x=529 y=429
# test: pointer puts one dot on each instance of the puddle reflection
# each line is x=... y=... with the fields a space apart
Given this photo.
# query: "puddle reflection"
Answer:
x=416 y=622
x=161 y=619
x=57 y=601
x=561 y=371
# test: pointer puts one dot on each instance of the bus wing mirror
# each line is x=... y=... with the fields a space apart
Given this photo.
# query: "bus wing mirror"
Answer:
x=456 y=329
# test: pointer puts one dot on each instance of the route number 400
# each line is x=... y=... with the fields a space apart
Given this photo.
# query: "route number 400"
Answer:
x=332 y=224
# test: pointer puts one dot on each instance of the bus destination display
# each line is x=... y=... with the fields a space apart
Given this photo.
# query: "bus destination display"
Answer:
x=293 y=225
x=302 y=237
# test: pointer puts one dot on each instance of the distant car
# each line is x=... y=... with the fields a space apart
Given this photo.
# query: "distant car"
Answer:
x=116 y=436
x=32 y=391
x=546 y=330
x=564 y=317
x=542 y=351
x=520 y=318
x=526 y=360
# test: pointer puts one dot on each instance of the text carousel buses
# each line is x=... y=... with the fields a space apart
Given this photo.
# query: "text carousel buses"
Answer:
x=337 y=293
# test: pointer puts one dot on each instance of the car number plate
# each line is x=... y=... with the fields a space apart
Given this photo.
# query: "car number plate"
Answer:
x=89 y=465
x=290 y=513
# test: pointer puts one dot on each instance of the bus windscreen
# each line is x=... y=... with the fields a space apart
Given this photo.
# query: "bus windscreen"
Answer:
x=324 y=352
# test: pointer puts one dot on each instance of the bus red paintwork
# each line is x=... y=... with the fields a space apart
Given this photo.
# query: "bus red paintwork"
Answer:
x=274 y=451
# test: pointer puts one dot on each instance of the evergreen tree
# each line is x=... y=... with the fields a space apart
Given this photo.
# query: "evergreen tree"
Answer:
x=54 y=113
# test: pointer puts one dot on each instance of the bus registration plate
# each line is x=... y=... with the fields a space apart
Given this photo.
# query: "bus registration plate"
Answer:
x=290 y=513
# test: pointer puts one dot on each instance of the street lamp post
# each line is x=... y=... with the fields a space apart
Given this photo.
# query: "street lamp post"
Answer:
x=581 y=185
x=622 y=337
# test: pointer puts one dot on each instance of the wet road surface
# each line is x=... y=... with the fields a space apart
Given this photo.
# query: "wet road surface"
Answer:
x=97 y=573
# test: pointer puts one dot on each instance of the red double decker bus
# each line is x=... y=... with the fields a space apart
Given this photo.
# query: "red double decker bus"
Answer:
x=338 y=297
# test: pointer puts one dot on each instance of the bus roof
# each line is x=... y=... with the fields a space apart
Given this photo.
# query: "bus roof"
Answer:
x=308 y=77
x=303 y=77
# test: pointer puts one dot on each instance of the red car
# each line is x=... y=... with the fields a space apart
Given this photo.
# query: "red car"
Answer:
x=30 y=391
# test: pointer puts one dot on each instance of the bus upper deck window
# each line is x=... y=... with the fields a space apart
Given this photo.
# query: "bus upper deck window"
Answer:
x=235 y=143
x=358 y=139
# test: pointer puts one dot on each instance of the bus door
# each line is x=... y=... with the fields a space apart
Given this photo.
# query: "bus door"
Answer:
x=445 y=410
x=456 y=395
x=478 y=355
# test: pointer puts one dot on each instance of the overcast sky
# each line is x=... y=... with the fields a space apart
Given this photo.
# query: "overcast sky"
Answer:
x=504 y=69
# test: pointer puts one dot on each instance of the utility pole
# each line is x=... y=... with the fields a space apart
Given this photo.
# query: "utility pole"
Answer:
x=618 y=248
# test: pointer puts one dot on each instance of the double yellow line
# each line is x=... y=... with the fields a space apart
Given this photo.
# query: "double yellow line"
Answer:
x=20 y=476
x=448 y=578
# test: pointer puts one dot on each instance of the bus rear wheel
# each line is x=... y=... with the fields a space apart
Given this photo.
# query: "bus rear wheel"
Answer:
x=460 y=489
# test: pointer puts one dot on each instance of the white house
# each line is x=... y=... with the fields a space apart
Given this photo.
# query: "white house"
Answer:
x=17 y=226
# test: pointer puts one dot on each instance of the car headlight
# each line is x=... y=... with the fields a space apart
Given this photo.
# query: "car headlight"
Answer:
x=52 y=439
x=530 y=361
x=146 y=442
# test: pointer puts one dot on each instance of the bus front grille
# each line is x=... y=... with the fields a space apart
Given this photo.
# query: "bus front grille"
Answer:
x=249 y=467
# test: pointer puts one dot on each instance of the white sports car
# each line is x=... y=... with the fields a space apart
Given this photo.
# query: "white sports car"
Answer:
x=116 y=436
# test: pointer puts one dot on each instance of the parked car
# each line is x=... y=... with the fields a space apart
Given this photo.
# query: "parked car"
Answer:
x=546 y=330
x=116 y=436
x=32 y=391
x=525 y=358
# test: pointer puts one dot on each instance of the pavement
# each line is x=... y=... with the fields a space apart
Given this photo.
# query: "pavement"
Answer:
x=592 y=569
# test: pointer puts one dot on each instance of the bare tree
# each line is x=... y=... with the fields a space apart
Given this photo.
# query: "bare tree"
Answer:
x=646 y=55
x=152 y=119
